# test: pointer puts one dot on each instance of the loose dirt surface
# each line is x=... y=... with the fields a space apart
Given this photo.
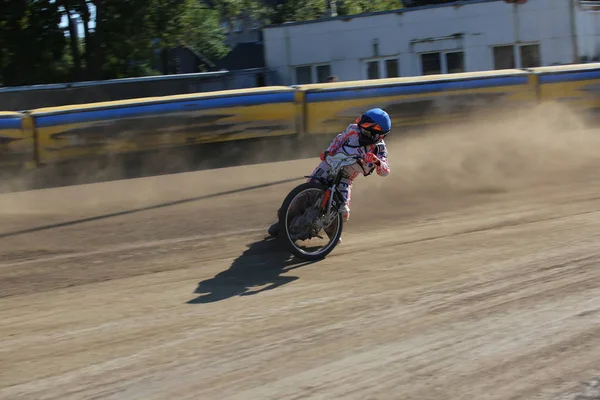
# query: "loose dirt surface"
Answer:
x=164 y=287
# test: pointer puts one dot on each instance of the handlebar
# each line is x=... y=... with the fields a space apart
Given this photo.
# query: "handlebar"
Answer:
x=341 y=160
x=343 y=157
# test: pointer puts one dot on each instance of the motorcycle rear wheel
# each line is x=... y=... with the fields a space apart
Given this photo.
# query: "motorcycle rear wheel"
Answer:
x=313 y=192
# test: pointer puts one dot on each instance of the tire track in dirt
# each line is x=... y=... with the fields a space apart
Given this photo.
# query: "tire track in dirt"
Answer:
x=464 y=295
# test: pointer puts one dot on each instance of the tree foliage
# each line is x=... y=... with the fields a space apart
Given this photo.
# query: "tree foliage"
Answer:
x=100 y=39
x=43 y=41
x=32 y=45
x=419 y=3
x=305 y=10
x=230 y=10
x=197 y=27
x=349 y=7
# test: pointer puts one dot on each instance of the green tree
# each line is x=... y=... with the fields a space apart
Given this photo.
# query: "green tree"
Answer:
x=349 y=7
x=230 y=10
x=305 y=10
x=419 y=3
x=127 y=33
x=119 y=38
x=74 y=10
x=302 y=10
x=120 y=44
x=197 y=27
x=32 y=46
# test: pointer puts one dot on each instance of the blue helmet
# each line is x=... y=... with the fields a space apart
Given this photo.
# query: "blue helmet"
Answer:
x=374 y=125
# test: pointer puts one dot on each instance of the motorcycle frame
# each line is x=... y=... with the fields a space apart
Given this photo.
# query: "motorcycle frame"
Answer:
x=333 y=184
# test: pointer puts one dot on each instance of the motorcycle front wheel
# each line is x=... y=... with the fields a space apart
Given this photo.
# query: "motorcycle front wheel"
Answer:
x=300 y=218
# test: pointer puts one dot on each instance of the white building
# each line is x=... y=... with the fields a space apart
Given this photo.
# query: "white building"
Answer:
x=455 y=37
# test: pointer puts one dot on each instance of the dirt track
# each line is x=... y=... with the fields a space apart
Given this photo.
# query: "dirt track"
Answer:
x=163 y=288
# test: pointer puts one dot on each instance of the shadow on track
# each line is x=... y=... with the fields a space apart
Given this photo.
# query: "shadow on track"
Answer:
x=148 y=208
x=260 y=267
x=108 y=167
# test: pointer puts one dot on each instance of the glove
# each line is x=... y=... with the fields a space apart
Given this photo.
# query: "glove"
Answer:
x=324 y=155
x=371 y=158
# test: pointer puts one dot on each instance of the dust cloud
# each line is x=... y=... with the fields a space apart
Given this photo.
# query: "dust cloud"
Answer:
x=464 y=163
x=167 y=161
x=494 y=152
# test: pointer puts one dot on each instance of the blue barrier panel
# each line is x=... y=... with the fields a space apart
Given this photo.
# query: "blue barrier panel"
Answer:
x=72 y=132
x=415 y=101
x=16 y=140
x=575 y=86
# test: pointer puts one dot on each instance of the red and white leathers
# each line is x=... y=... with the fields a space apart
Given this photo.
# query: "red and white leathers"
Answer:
x=348 y=143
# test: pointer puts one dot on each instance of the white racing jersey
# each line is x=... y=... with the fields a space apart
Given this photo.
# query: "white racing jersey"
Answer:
x=347 y=142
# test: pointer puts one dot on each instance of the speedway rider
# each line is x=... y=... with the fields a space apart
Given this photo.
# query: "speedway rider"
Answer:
x=363 y=138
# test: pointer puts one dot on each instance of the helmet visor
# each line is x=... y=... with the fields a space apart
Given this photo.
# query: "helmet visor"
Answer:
x=371 y=130
x=373 y=135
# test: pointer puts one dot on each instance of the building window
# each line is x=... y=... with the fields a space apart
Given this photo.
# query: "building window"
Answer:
x=373 y=70
x=391 y=68
x=530 y=55
x=455 y=62
x=382 y=68
x=517 y=56
x=306 y=74
x=431 y=64
x=260 y=79
x=504 y=57
x=450 y=62
x=303 y=75
x=323 y=71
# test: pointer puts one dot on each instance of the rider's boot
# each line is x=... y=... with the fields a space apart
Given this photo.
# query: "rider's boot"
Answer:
x=330 y=230
x=274 y=229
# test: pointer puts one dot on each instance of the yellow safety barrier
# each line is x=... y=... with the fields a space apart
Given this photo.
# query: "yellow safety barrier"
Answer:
x=414 y=101
x=16 y=140
x=575 y=86
x=74 y=132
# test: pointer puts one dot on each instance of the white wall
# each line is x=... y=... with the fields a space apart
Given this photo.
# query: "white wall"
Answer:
x=346 y=44
x=588 y=31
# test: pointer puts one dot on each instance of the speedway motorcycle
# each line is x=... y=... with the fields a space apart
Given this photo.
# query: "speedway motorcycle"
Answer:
x=311 y=215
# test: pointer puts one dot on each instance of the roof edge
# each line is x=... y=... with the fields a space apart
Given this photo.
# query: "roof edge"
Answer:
x=375 y=13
